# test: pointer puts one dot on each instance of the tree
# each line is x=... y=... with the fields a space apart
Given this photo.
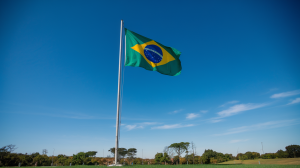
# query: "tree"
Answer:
x=165 y=158
x=268 y=156
x=45 y=151
x=131 y=152
x=255 y=155
x=249 y=155
x=282 y=154
x=158 y=157
x=79 y=158
x=193 y=146
x=61 y=158
x=175 y=160
x=228 y=157
x=11 y=159
x=179 y=148
x=243 y=157
x=252 y=155
x=197 y=160
x=122 y=161
x=112 y=150
x=213 y=160
x=122 y=152
x=207 y=155
x=293 y=151
x=3 y=151
x=11 y=148
x=33 y=155
x=182 y=160
x=104 y=160
x=42 y=160
x=137 y=161
x=97 y=160
x=169 y=151
x=88 y=161
x=26 y=160
x=91 y=153
x=7 y=149
x=187 y=152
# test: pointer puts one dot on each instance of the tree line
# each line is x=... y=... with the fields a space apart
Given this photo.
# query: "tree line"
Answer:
x=171 y=155
x=8 y=158
x=291 y=151
x=212 y=157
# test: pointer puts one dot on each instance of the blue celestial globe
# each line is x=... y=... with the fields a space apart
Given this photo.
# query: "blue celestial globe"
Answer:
x=153 y=53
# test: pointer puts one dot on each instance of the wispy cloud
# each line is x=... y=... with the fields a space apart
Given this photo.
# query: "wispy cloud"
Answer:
x=230 y=102
x=148 y=123
x=286 y=94
x=215 y=120
x=176 y=111
x=238 y=140
x=131 y=127
x=192 y=116
x=138 y=125
x=266 y=125
x=239 y=108
x=203 y=111
x=173 y=126
x=233 y=110
x=297 y=100
x=271 y=90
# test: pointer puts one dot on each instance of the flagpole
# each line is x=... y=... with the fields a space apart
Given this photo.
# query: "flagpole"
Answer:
x=119 y=90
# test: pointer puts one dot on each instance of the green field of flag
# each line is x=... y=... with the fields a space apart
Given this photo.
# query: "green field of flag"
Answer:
x=151 y=55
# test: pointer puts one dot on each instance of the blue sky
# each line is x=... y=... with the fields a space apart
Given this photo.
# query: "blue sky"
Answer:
x=239 y=84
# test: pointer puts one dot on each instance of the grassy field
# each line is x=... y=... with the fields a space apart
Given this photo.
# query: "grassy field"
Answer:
x=264 y=163
x=198 y=166
x=282 y=161
x=191 y=166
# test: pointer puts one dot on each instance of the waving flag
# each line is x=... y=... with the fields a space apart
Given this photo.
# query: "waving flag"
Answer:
x=151 y=55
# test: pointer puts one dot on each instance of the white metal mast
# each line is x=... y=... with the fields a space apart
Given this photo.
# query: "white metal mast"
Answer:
x=119 y=91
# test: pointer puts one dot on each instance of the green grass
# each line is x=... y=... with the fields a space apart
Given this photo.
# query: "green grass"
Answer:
x=186 y=166
x=280 y=161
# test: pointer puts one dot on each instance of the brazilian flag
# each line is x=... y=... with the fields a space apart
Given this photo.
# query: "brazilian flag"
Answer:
x=151 y=55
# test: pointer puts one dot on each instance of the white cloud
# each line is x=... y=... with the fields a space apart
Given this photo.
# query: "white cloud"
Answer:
x=138 y=125
x=286 y=94
x=192 y=116
x=239 y=108
x=233 y=110
x=260 y=126
x=297 y=100
x=173 y=126
x=131 y=127
x=230 y=102
x=176 y=111
x=148 y=123
x=238 y=140
x=204 y=111
x=215 y=121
